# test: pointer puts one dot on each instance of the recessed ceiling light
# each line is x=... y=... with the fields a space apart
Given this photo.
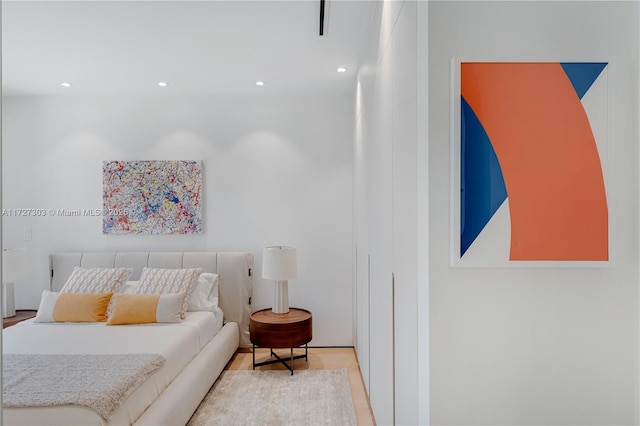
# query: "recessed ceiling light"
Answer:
x=259 y=83
x=342 y=69
x=65 y=84
x=163 y=84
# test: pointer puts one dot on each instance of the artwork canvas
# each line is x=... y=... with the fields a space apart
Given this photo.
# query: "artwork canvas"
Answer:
x=152 y=197
x=530 y=163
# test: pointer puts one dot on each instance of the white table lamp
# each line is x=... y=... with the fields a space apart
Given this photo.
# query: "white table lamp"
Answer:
x=279 y=265
x=14 y=268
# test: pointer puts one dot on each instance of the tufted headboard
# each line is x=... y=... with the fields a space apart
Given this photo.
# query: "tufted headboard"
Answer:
x=234 y=271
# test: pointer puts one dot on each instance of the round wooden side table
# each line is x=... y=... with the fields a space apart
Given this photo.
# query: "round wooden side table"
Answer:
x=277 y=331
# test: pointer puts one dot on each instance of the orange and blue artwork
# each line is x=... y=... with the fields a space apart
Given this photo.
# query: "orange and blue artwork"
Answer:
x=152 y=197
x=533 y=152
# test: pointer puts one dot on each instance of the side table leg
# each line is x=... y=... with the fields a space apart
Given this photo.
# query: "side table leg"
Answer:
x=292 y=361
x=254 y=356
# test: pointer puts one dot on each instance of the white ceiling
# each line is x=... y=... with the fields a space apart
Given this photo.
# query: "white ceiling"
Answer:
x=199 y=47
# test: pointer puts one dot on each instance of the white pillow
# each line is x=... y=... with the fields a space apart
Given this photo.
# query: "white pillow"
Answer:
x=47 y=304
x=129 y=287
x=205 y=293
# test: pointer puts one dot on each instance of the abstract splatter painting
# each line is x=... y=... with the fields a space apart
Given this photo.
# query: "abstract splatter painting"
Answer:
x=152 y=197
x=532 y=162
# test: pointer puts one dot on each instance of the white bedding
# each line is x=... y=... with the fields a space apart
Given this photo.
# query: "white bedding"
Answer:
x=207 y=325
x=177 y=343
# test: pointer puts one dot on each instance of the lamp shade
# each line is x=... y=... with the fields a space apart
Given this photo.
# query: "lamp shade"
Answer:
x=14 y=265
x=279 y=263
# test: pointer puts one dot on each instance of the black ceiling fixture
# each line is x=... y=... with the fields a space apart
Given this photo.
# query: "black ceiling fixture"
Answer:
x=321 y=17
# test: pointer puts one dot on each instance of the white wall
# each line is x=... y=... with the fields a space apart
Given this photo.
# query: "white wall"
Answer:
x=277 y=169
x=548 y=345
x=386 y=212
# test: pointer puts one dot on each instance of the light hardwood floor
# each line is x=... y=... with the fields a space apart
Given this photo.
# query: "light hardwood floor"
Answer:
x=319 y=359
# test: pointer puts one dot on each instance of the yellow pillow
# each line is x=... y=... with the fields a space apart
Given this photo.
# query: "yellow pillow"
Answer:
x=145 y=308
x=81 y=307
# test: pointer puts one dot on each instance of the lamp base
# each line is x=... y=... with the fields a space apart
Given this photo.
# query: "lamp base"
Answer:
x=8 y=301
x=280 y=297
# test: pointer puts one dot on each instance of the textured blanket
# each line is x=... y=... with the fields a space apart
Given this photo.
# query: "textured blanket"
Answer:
x=99 y=382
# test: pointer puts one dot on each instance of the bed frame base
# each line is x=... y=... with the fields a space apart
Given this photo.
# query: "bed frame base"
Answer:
x=181 y=398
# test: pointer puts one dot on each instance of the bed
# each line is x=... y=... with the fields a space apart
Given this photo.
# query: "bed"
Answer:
x=195 y=350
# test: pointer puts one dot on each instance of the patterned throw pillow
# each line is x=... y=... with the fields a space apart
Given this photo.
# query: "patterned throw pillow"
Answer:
x=96 y=280
x=162 y=281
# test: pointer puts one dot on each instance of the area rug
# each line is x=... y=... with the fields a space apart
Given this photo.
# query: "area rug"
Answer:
x=309 y=397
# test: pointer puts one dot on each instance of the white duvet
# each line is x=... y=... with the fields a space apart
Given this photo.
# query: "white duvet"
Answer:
x=177 y=343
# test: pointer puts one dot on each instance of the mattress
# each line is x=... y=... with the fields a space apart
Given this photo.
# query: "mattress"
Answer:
x=177 y=343
x=207 y=325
